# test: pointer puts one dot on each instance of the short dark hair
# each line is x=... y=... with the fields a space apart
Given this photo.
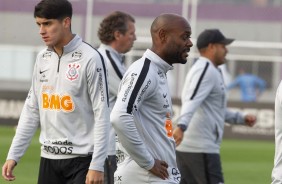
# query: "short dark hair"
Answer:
x=116 y=21
x=53 y=9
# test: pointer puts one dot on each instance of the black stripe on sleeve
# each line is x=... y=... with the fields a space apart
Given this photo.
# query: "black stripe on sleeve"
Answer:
x=199 y=82
x=114 y=64
x=138 y=85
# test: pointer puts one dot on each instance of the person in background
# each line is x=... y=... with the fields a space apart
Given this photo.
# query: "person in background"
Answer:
x=142 y=112
x=117 y=34
x=251 y=86
x=199 y=131
x=68 y=99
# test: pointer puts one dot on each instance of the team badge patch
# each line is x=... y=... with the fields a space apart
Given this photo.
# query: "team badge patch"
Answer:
x=72 y=72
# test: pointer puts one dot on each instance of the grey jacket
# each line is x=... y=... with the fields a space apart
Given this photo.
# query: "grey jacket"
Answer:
x=69 y=100
x=116 y=70
x=139 y=114
x=204 y=110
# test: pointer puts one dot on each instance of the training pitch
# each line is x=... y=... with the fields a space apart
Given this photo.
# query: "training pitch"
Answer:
x=244 y=162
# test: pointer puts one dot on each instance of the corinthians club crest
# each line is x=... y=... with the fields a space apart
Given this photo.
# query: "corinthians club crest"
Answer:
x=72 y=72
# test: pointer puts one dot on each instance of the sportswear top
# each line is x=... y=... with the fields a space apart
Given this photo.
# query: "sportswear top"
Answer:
x=69 y=99
x=249 y=84
x=204 y=109
x=276 y=172
x=116 y=70
x=139 y=114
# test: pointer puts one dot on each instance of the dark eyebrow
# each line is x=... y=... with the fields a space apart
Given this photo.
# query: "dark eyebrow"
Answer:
x=44 y=22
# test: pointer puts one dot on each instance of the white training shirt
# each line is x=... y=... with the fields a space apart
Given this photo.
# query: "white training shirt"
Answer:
x=116 y=70
x=277 y=169
x=69 y=100
x=139 y=114
x=204 y=110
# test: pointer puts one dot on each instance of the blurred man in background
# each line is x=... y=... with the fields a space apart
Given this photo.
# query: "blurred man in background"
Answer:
x=117 y=34
x=200 y=127
x=251 y=86
x=143 y=108
x=68 y=99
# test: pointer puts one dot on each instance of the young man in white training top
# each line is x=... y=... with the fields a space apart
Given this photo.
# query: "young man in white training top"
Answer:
x=68 y=100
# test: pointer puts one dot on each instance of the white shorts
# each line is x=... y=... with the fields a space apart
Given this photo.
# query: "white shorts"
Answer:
x=130 y=172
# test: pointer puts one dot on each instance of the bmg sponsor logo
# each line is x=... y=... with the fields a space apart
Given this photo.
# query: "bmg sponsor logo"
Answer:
x=57 y=102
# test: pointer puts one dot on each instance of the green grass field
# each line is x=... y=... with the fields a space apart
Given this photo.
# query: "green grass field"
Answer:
x=26 y=171
x=244 y=162
x=247 y=162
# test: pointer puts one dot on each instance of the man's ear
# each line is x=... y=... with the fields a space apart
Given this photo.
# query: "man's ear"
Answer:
x=162 y=35
x=117 y=35
x=67 y=22
x=212 y=48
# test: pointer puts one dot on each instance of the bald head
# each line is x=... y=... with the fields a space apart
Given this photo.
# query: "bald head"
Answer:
x=171 y=38
x=165 y=21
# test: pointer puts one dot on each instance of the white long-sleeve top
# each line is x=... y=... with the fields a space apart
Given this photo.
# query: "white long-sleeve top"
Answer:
x=139 y=113
x=116 y=70
x=204 y=110
x=69 y=100
x=277 y=169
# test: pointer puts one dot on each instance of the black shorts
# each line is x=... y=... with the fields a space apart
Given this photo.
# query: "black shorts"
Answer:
x=199 y=168
x=64 y=171
x=110 y=168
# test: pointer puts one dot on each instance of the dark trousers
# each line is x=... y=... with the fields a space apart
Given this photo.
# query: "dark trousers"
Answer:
x=110 y=169
x=64 y=171
x=199 y=168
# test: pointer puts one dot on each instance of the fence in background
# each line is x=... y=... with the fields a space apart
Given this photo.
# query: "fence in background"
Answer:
x=262 y=58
